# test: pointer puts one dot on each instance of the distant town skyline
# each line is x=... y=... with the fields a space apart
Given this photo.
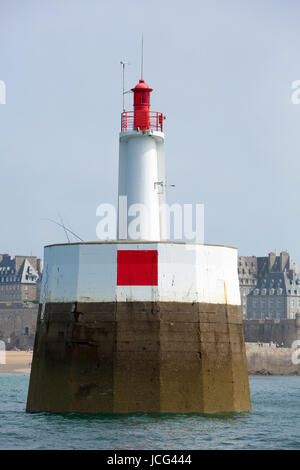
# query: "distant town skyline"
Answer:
x=222 y=72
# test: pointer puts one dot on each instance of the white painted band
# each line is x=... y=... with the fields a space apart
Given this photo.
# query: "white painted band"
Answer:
x=186 y=273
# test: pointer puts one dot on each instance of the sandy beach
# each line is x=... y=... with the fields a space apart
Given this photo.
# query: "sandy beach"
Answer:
x=17 y=362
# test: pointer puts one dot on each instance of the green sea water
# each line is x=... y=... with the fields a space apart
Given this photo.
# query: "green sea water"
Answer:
x=273 y=423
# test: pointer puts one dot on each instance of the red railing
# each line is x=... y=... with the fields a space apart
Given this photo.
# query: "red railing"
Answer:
x=127 y=121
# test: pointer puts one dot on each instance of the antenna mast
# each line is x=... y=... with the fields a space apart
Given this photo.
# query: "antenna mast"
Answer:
x=123 y=90
x=65 y=228
x=142 y=57
x=63 y=225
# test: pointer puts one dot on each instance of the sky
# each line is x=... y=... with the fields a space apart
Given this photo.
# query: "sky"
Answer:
x=221 y=71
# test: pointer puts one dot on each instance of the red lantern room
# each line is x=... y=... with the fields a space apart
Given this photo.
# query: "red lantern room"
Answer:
x=141 y=105
x=141 y=118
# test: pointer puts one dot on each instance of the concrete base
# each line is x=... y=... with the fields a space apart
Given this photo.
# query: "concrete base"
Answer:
x=124 y=357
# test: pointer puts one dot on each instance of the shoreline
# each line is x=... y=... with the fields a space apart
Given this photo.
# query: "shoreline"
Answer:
x=267 y=359
x=17 y=363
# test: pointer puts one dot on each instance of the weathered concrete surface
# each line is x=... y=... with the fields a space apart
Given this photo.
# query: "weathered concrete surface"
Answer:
x=121 y=357
x=266 y=360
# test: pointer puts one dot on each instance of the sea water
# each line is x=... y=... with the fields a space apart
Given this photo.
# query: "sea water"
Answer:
x=273 y=423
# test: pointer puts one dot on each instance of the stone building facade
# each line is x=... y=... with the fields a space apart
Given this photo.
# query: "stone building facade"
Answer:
x=18 y=324
x=247 y=270
x=279 y=331
x=275 y=293
x=20 y=278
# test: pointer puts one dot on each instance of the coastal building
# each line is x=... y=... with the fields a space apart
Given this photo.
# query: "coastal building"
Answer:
x=270 y=286
x=18 y=324
x=247 y=270
x=20 y=278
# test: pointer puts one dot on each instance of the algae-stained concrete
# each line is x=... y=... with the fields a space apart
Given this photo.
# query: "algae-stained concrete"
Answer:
x=124 y=357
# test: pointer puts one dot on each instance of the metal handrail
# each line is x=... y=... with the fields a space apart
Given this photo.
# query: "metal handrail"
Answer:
x=127 y=121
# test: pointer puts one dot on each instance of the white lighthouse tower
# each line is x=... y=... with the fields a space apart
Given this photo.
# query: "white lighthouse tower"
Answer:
x=141 y=170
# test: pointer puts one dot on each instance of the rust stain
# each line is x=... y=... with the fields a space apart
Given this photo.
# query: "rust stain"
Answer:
x=225 y=293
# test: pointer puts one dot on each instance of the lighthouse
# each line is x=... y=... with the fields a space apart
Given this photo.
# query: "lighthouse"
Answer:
x=141 y=323
x=141 y=169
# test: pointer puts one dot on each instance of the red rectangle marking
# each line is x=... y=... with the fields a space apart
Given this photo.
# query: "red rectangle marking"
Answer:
x=137 y=268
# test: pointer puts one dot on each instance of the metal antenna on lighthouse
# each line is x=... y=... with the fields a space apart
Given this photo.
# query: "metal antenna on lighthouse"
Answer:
x=142 y=57
x=65 y=228
x=124 y=92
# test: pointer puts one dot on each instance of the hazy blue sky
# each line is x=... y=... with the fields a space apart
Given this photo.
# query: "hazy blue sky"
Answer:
x=221 y=72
